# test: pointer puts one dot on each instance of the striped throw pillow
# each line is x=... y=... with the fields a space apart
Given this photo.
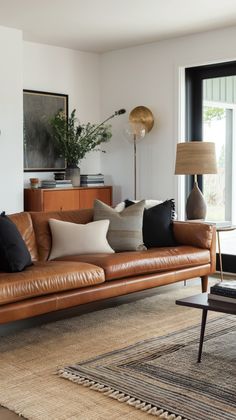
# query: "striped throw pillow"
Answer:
x=125 y=228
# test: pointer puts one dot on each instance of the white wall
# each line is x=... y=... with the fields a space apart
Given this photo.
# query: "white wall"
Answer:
x=145 y=75
x=11 y=151
x=77 y=74
x=149 y=75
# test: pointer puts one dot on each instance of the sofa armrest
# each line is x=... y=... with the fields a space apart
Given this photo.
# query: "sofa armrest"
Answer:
x=200 y=235
x=196 y=234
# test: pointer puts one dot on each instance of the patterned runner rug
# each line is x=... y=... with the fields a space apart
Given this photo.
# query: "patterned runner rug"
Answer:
x=161 y=375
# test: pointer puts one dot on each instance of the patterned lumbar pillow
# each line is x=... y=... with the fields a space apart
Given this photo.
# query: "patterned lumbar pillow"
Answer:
x=125 y=229
x=74 y=239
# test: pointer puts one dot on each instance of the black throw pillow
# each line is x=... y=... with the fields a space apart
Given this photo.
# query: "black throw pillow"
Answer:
x=157 y=224
x=14 y=254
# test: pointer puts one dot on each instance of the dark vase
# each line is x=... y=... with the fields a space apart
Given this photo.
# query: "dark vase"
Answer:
x=73 y=173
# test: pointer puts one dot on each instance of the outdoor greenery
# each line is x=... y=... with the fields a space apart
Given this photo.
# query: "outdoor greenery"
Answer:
x=214 y=185
x=213 y=113
x=73 y=140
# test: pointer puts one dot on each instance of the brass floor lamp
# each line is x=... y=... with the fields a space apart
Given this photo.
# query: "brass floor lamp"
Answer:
x=141 y=121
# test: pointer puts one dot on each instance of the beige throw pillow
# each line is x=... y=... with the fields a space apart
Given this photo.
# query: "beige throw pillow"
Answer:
x=74 y=239
x=125 y=229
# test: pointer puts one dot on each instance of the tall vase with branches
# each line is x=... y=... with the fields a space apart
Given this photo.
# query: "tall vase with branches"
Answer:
x=74 y=140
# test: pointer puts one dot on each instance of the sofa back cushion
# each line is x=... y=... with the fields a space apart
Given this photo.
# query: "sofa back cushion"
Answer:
x=24 y=224
x=42 y=230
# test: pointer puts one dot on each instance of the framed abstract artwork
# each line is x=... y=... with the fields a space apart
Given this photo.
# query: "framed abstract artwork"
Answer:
x=40 y=153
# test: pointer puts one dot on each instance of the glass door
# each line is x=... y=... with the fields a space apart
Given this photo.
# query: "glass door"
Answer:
x=211 y=116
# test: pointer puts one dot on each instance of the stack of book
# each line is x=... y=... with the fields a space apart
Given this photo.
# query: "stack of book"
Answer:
x=48 y=183
x=92 y=180
x=224 y=291
x=51 y=183
x=63 y=183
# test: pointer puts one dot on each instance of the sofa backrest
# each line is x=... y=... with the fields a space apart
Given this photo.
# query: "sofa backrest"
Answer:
x=42 y=229
x=24 y=224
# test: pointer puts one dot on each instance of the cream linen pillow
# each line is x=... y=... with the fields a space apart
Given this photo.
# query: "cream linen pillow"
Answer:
x=125 y=229
x=72 y=238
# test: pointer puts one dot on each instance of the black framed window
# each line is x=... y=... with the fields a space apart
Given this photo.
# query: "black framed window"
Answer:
x=218 y=82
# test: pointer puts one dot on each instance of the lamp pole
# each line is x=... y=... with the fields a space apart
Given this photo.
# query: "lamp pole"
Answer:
x=141 y=120
x=135 y=166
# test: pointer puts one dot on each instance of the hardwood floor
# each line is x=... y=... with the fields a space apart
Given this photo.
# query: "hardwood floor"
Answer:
x=6 y=414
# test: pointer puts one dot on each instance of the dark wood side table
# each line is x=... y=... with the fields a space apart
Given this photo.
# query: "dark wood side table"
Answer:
x=201 y=301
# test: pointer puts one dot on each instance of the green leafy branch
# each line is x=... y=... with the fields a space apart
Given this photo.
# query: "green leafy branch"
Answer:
x=213 y=113
x=75 y=140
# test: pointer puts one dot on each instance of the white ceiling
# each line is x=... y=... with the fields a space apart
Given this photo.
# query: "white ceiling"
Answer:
x=103 y=25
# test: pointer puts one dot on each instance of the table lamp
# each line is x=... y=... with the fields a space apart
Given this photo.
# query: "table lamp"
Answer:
x=195 y=158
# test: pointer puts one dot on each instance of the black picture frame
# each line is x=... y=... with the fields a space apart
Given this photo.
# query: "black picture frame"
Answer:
x=40 y=154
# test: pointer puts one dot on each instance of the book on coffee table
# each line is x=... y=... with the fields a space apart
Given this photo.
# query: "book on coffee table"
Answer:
x=224 y=291
x=220 y=298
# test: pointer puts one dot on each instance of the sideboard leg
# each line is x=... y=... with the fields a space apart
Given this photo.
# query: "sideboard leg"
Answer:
x=204 y=280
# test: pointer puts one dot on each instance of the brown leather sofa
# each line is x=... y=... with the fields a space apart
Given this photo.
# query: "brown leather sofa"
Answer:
x=70 y=281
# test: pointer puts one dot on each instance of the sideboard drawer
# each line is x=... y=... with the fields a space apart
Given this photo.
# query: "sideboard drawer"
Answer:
x=60 y=200
x=88 y=196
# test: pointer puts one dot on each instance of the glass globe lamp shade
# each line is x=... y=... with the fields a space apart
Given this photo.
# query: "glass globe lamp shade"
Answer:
x=134 y=131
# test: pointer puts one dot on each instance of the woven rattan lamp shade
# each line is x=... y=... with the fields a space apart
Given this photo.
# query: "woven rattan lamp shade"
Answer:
x=195 y=158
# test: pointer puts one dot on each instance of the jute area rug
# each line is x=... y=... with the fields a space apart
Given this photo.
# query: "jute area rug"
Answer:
x=30 y=359
x=160 y=375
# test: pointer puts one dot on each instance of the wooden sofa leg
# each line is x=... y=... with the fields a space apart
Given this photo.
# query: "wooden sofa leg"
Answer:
x=204 y=280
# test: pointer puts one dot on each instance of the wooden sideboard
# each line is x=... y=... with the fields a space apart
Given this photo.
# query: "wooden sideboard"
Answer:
x=54 y=199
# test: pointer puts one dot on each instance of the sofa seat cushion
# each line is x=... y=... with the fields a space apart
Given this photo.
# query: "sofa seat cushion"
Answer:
x=45 y=278
x=132 y=263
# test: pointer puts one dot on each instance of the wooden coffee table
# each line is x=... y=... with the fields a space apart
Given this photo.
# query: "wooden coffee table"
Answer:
x=201 y=301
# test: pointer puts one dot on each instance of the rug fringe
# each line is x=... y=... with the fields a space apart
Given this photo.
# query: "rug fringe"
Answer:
x=119 y=396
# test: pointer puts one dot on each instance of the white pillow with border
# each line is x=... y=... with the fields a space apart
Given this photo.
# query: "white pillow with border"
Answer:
x=148 y=203
x=75 y=239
